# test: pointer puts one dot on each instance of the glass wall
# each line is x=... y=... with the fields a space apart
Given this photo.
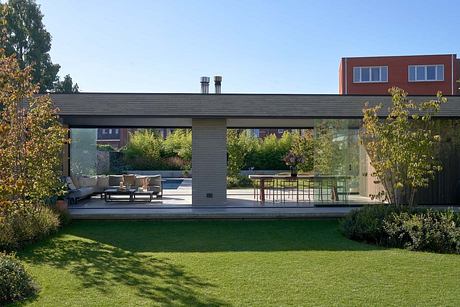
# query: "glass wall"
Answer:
x=337 y=150
x=104 y=151
x=83 y=152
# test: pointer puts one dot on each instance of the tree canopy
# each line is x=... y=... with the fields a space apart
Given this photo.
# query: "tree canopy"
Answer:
x=25 y=36
x=403 y=146
x=31 y=138
x=66 y=86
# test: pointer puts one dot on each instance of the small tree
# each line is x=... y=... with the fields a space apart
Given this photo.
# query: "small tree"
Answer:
x=328 y=151
x=303 y=148
x=31 y=137
x=239 y=145
x=403 y=146
x=179 y=143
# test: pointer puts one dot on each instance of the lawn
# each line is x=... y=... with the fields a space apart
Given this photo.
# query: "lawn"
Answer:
x=128 y=263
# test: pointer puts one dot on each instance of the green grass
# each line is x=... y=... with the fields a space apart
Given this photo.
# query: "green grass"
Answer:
x=95 y=263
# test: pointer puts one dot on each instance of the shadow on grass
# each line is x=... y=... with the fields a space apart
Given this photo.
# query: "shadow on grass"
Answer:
x=102 y=267
x=217 y=236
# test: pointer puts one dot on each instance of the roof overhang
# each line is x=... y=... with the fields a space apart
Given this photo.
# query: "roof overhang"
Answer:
x=240 y=110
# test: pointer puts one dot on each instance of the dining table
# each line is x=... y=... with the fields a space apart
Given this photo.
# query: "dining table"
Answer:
x=332 y=180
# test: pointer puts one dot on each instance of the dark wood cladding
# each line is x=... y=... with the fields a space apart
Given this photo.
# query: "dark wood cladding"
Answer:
x=445 y=188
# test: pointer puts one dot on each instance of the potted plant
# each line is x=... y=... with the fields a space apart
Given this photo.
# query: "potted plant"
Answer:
x=292 y=160
x=61 y=204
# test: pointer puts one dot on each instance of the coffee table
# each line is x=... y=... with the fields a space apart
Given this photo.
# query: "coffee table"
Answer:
x=109 y=192
x=148 y=193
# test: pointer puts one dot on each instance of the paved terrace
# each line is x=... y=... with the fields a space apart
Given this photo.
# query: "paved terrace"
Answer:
x=241 y=204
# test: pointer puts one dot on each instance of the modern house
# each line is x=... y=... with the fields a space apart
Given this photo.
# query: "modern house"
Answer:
x=210 y=115
x=416 y=74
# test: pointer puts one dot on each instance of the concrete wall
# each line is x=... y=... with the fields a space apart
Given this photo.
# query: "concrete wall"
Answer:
x=209 y=161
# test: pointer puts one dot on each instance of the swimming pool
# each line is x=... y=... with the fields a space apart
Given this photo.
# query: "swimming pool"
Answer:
x=172 y=184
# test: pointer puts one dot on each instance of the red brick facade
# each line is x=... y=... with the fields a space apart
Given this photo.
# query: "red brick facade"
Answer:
x=398 y=75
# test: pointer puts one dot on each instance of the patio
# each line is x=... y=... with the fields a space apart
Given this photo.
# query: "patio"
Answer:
x=241 y=203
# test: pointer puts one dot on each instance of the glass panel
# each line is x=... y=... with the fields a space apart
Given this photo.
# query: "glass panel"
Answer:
x=365 y=74
x=431 y=72
x=375 y=74
x=411 y=73
x=440 y=72
x=336 y=153
x=356 y=74
x=83 y=152
x=421 y=73
x=384 y=74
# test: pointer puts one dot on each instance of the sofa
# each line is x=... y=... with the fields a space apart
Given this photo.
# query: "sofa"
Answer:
x=81 y=187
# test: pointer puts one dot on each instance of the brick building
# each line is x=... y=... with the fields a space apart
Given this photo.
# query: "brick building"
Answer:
x=416 y=74
x=119 y=137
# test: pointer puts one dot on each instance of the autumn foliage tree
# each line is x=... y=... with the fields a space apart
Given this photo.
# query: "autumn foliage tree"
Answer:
x=402 y=146
x=31 y=137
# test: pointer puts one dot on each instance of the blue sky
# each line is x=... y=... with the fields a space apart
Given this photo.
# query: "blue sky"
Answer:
x=257 y=46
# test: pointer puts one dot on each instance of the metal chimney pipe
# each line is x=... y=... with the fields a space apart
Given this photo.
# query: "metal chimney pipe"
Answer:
x=204 y=85
x=218 y=84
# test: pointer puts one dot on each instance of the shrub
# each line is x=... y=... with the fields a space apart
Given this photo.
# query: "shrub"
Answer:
x=143 y=150
x=238 y=182
x=105 y=147
x=366 y=224
x=435 y=231
x=24 y=224
x=15 y=282
x=404 y=227
x=240 y=145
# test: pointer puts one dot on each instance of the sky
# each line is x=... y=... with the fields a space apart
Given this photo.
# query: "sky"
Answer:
x=257 y=46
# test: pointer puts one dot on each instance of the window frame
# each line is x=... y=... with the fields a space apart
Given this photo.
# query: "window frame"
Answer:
x=360 y=68
x=415 y=66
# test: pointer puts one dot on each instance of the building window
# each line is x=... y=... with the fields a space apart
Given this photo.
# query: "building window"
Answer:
x=370 y=74
x=419 y=73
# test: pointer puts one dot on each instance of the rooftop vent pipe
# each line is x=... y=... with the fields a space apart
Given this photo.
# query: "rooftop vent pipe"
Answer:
x=218 y=84
x=204 y=85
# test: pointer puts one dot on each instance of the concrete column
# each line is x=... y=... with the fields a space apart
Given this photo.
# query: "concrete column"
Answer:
x=209 y=162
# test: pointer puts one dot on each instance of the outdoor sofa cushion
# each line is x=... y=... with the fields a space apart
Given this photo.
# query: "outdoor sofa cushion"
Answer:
x=129 y=180
x=84 y=192
x=102 y=182
x=114 y=180
x=87 y=181
x=70 y=184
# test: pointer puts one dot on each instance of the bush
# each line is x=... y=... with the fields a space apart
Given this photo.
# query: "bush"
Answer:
x=414 y=229
x=366 y=224
x=105 y=147
x=25 y=224
x=435 y=231
x=238 y=182
x=143 y=150
x=15 y=283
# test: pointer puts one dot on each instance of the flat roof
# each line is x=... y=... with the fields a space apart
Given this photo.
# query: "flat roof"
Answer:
x=281 y=106
x=401 y=56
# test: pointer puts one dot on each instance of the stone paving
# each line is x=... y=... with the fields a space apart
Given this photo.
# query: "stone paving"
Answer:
x=241 y=203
